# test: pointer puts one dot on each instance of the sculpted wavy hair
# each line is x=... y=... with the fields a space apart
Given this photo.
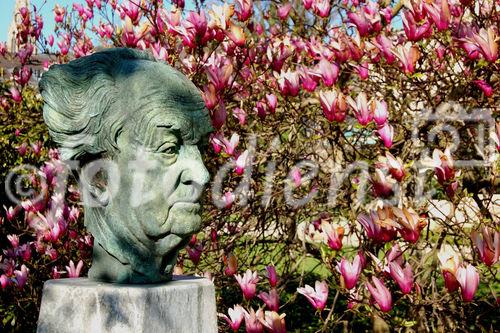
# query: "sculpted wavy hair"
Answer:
x=81 y=101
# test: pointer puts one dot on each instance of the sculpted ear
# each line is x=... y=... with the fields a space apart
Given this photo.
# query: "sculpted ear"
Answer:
x=99 y=182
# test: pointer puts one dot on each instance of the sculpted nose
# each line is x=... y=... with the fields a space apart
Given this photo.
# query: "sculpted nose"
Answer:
x=195 y=171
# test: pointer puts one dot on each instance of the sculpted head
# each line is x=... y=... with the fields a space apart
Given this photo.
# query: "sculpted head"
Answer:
x=136 y=126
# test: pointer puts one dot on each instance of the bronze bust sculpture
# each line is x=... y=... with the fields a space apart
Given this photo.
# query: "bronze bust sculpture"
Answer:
x=135 y=126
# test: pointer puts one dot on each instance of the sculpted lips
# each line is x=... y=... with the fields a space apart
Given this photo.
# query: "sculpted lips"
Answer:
x=189 y=207
x=188 y=212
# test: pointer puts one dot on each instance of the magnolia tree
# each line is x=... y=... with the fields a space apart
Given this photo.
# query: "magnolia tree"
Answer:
x=354 y=159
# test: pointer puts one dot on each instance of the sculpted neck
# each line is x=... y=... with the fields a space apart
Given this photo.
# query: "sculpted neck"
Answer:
x=115 y=260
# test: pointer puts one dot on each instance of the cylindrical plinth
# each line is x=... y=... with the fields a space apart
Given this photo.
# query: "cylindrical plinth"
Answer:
x=185 y=304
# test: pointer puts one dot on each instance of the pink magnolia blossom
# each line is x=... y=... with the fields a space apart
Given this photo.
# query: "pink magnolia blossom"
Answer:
x=289 y=83
x=284 y=10
x=439 y=12
x=361 y=109
x=23 y=75
x=4 y=281
x=219 y=115
x=245 y=9
x=131 y=9
x=236 y=316
x=362 y=70
x=59 y=13
x=24 y=251
x=333 y=235
x=37 y=147
x=484 y=42
x=261 y=108
x=380 y=294
x=237 y=35
x=320 y=7
x=241 y=162
x=485 y=87
x=272 y=102
x=443 y=166
x=394 y=254
x=327 y=100
x=228 y=199
x=21 y=276
x=129 y=36
x=450 y=262
x=386 y=133
x=296 y=177
x=194 y=252
x=228 y=145
x=328 y=71
x=179 y=3
x=210 y=96
x=22 y=149
x=379 y=225
x=410 y=223
x=14 y=240
x=382 y=184
x=308 y=79
x=414 y=31
x=194 y=29
x=271 y=275
x=360 y=21
x=334 y=105
x=487 y=244
x=15 y=94
x=385 y=45
x=468 y=278
x=50 y=40
x=387 y=14
x=46 y=65
x=408 y=56
x=248 y=283
x=271 y=299
x=253 y=321
x=159 y=52
x=11 y=212
x=379 y=110
x=278 y=55
x=74 y=272
x=56 y=274
x=25 y=53
x=63 y=46
x=450 y=281
x=274 y=322
x=350 y=271
x=84 y=12
x=395 y=166
x=105 y=30
x=3 y=48
x=219 y=75
x=317 y=296
x=97 y=3
x=403 y=277
x=220 y=16
x=308 y=3
x=83 y=47
x=241 y=115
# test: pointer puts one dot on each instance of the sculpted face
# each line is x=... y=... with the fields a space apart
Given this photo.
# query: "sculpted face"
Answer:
x=158 y=175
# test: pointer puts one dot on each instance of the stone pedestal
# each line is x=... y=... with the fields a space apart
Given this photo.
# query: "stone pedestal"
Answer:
x=184 y=305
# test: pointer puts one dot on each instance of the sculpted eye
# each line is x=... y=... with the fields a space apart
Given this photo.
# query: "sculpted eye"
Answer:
x=168 y=148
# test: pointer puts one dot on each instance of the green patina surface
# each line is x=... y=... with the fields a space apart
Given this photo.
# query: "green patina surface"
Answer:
x=134 y=125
